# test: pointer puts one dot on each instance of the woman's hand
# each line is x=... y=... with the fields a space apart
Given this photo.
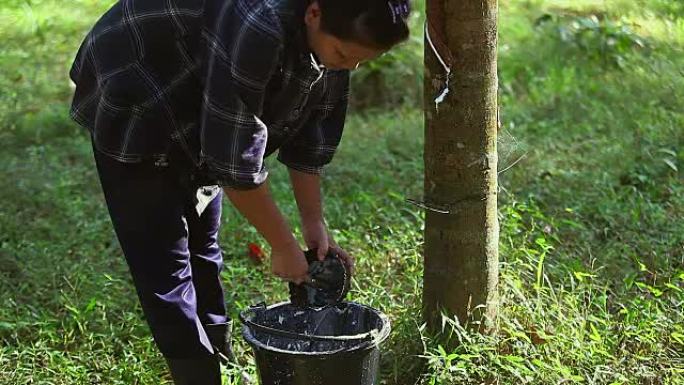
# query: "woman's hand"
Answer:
x=287 y=258
x=307 y=191
x=344 y=256
x=316 y=235
x=289 y=263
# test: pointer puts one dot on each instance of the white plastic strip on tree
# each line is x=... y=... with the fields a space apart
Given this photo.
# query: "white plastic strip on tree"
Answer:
x=439 y=99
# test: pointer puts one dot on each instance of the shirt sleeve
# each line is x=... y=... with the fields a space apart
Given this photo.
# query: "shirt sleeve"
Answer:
x=244 y=42
x=315 y=144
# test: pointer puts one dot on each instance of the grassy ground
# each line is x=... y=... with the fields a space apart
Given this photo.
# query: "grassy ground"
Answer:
x=592 y=242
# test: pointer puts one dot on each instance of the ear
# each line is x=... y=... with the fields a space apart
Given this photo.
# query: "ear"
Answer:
x=312 y=17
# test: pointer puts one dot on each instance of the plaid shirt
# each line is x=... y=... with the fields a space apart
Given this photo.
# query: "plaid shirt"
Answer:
x=230 y=82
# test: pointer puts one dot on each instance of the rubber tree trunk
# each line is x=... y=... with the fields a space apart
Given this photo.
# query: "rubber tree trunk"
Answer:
x=461 y=229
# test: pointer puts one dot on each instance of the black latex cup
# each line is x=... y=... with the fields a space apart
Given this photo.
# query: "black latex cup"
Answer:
x=329 y=285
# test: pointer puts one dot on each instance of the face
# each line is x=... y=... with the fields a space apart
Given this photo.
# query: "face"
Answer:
x=334 y=53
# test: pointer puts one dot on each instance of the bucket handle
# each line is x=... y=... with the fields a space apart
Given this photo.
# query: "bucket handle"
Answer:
x=368 y=336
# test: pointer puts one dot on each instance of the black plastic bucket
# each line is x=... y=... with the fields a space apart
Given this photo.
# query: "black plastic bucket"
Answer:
x=336 y=345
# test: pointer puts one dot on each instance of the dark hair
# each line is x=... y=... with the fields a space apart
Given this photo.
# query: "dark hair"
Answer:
x=375 y=23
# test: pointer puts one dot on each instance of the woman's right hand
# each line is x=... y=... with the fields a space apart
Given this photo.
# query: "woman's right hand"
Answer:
x=289 y=263
x=287 y=258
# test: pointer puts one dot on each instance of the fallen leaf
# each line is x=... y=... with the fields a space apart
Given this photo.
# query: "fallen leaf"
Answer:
x=255 y=253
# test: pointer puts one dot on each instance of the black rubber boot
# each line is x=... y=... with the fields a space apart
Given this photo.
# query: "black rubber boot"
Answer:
x=195 y=371
x=219 y=335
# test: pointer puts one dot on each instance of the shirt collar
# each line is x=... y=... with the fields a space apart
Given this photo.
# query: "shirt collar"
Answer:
x=306 y=55
x=299 y=35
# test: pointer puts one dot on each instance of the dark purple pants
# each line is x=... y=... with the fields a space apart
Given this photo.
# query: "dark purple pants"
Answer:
x=172 y=253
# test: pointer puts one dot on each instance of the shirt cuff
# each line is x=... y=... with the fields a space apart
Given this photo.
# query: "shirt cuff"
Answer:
x=305 y=168
x=237 y=180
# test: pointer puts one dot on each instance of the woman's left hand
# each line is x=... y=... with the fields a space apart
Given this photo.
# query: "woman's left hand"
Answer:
x=344 y=256
x=316 y=236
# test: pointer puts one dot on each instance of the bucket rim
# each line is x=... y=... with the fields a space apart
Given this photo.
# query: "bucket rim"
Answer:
x=366 y=344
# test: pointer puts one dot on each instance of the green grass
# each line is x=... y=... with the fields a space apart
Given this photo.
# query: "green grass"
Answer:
x=592 y=236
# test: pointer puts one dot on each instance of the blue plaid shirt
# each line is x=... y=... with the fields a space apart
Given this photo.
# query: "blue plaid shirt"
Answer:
x=230 y=82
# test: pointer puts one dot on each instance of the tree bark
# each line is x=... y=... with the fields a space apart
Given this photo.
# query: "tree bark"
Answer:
x=461 y=229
